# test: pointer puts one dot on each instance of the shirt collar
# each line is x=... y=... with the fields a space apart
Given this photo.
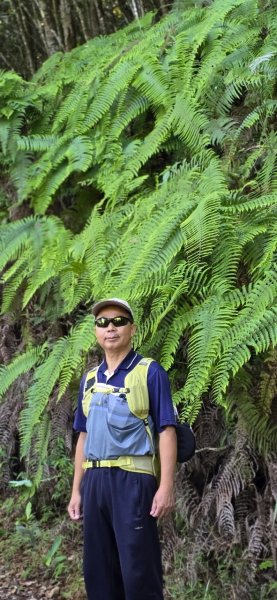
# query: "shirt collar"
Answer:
x=125 y=364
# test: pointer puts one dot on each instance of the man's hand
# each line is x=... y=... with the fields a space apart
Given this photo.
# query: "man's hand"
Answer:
x=74 y=507
x=163 y=502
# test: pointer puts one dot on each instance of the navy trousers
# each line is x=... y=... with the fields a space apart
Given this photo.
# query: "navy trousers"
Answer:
x=122 y=558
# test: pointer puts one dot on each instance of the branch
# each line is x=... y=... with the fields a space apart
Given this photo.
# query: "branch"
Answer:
x=213 y=449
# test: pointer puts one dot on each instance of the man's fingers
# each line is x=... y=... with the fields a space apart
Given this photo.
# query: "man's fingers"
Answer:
x=74 y=512
x=162 y=505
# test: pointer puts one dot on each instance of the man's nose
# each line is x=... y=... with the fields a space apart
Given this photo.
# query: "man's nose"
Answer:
x=111 y=326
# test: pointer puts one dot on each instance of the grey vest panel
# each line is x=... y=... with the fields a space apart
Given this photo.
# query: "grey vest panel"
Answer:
x=112 y=430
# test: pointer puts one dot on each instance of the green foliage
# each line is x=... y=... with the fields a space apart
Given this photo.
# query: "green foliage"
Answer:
x=59 y=366
x=54 y=559
x=21 y=364
x=171 y=133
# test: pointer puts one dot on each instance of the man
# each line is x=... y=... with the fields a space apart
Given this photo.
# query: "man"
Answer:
x=121 y=504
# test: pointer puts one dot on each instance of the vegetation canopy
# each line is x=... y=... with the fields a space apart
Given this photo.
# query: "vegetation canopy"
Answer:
x=144 y=165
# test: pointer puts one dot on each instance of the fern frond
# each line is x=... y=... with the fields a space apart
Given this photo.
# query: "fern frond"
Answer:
x=119 y=79
x=13 y=237
x=14 y=284
x=36 y=143
x=261 y=432
x=49 y=187
x=135 y=106
x=213 y=319
x=260 y=334
x=19 y=365
x=153 y=83
x=39 y=451
x=188 y=123
x=264 y=201
x=150 y=145
x=79 y=153
x=61 y=362
x=81 y=339
x=75 y=99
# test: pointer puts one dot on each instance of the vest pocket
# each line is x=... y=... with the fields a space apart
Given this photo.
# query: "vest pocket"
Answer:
x=118 y=415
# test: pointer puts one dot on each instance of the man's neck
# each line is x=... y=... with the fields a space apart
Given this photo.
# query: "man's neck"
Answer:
x=113 y=359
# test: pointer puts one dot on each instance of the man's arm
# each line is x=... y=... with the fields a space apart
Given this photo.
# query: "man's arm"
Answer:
x=164 y=500
x=74 y=507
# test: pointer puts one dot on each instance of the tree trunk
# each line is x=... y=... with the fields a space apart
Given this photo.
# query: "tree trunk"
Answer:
x=66 y=23
x=21 y=24
x=81 y=18
x=50 y=37
x=134 y=9
x=99 y=12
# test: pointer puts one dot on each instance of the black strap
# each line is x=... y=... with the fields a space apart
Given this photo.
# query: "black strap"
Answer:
x=89 y=384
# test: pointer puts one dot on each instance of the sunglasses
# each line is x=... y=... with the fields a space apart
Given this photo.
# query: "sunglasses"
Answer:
x=116 y=321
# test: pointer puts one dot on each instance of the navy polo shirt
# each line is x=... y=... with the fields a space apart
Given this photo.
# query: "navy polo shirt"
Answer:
x=160 y=400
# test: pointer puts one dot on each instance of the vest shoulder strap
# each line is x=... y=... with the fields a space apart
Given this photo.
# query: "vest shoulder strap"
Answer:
x=91 y=378
x=136 y=383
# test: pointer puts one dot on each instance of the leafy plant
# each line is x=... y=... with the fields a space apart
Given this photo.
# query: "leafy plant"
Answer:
x=191 y=241
x=150 y=174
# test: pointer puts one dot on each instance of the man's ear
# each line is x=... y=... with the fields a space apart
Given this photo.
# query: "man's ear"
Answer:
x=133 y=329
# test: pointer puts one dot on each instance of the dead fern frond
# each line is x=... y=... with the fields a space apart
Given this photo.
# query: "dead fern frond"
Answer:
x=236 y=472
x=169 y=541
x=245 y=507
x=9 y=415
x=61 y=421
x=225 y=518
x=187 y=496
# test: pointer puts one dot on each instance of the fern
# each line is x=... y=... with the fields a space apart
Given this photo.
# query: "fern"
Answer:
x=39 y=451
x=13 y=238
x=19 y=365
x=154 y=179
x=61 y=362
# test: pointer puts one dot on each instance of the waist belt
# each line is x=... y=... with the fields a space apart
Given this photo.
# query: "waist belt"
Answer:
x=140 y=464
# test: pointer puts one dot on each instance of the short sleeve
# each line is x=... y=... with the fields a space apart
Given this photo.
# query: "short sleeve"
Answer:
x=80 y=420
x=160 y=400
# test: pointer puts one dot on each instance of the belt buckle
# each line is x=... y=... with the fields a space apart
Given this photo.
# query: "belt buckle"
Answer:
x=95 y=463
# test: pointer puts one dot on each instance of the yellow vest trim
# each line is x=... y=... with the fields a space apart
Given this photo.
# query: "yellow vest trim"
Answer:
x=140 y=464
x=136 y=382
x=87 y=394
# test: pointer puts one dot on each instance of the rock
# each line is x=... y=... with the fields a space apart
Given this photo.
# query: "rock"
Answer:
x=53 y=593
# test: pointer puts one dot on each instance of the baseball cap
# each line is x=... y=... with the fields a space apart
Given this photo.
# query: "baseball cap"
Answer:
x=112 y=302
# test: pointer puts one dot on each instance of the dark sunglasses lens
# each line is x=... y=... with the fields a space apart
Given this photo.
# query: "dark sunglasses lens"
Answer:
x=116 y=321
x=102 y=322
x=120 y=321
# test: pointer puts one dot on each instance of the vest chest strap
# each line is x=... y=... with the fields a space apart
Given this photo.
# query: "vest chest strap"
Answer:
x=140 y=464
x=108 y=389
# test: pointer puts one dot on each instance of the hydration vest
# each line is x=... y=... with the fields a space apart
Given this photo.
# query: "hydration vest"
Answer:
x=135 y=388
x=136 y=393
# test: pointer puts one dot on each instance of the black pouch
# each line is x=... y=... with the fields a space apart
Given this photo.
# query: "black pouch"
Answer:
x=185 y=442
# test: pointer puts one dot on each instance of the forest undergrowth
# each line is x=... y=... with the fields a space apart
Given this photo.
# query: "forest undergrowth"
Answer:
x=41 y=554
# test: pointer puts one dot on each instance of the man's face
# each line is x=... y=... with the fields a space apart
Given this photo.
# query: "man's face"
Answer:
x=115 y=338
